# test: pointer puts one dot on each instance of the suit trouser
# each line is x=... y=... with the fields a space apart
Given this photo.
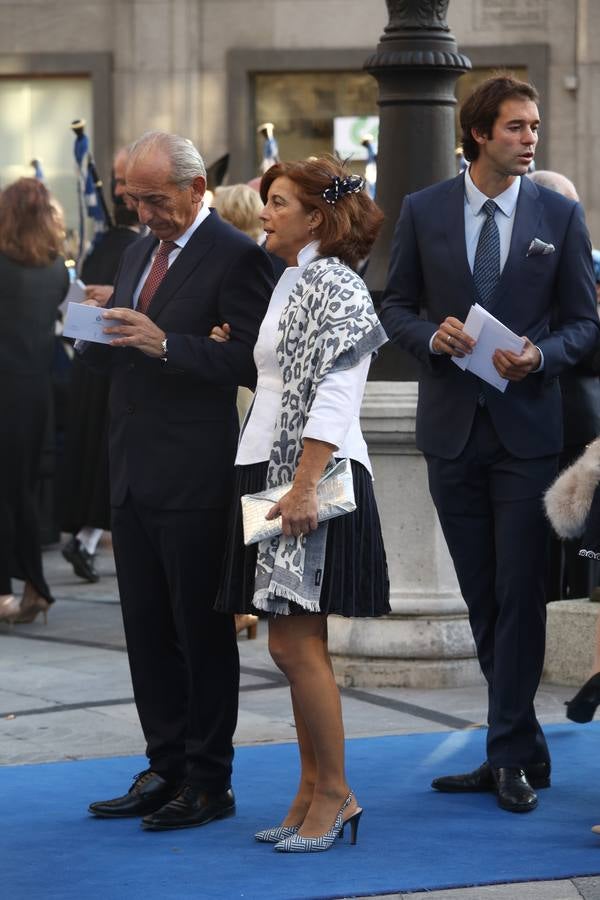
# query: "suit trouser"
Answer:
x=183 y=656
x=490 y=508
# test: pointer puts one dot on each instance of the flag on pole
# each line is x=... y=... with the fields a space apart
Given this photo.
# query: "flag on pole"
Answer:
x=38 y=172
x=367 y=140
x=89 y=190
x=270 y=148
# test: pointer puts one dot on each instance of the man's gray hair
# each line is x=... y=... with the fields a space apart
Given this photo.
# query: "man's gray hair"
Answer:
x=555 y=181
x=186 y=162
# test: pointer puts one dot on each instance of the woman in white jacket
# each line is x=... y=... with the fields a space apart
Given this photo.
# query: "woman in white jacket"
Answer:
x=312 y=355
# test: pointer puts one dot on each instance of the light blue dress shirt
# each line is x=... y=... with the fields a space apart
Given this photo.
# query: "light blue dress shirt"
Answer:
x=475 y=217
x=504 y=218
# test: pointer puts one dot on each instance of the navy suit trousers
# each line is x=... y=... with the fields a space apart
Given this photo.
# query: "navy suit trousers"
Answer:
x=183 y=655
x=490 y=508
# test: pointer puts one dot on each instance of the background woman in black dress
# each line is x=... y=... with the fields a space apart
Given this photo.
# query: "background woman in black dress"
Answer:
x=33 y=283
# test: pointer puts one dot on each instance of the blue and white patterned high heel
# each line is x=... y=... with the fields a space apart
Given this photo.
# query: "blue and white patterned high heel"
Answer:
x=274 y=835
x=298 y=844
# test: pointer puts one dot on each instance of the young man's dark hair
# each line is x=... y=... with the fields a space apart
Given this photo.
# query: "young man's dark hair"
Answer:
x=482 y=108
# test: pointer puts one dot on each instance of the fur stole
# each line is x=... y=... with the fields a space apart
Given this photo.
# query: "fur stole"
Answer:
x=568 y=500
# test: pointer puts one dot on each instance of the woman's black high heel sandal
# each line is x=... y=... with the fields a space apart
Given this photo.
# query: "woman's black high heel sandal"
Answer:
x=583 y=705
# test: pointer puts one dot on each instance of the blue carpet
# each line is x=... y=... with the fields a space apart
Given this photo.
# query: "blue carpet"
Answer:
x=411 y=838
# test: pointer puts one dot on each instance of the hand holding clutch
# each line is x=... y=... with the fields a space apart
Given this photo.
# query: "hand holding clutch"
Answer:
x=335 y=493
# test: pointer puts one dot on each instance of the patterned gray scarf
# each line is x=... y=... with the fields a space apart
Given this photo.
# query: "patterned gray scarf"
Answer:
x=328 y=324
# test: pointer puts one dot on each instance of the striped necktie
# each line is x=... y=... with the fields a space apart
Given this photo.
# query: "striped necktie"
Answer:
x=486 y=269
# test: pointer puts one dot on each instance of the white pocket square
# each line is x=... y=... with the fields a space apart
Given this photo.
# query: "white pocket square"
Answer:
x=540 y=248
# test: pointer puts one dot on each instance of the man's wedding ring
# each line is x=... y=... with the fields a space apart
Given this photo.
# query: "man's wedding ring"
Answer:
x=448 y=338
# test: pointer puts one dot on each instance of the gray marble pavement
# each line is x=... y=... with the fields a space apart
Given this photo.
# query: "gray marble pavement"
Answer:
x=65 y=693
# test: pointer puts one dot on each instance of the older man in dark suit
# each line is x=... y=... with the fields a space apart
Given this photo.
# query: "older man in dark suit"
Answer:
x=523 y=252
x=173 y=434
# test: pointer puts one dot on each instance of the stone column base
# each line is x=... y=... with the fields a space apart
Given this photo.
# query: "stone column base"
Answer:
x=425 y=651
x=570 y=641
x=351 y=671
x=426 y=641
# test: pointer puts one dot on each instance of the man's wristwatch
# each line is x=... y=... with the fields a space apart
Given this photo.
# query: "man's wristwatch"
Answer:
x=163 y=344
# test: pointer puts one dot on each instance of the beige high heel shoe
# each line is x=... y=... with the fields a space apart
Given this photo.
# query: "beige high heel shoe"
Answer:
x=9 y=608
x=31 y=605
x=248 y=622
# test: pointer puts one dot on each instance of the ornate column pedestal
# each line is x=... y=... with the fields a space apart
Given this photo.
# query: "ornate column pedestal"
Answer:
x=426 y=641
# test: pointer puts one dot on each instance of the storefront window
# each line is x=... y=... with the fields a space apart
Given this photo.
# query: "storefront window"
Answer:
x=35 y=117
x=303 y=105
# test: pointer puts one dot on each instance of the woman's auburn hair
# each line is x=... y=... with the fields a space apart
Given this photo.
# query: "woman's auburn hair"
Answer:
x=350 y=225
x=31 y=225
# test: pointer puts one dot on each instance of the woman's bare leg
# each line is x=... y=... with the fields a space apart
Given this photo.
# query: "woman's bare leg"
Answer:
x=308 y=770
x=298 y=645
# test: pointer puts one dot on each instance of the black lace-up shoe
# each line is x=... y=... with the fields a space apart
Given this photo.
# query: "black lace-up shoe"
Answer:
x=148 y=793
x=191 y=807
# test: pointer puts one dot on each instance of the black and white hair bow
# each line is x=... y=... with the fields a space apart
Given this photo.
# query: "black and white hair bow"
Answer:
x=351 y=184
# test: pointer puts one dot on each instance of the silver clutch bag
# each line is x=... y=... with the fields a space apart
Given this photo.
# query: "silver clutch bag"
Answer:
x=335 y=493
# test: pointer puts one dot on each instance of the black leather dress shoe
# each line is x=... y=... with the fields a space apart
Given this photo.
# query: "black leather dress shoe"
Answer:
x=482 y=779
x=82 y=561
x=148 y=793
x=515 y=794
x=191 y=807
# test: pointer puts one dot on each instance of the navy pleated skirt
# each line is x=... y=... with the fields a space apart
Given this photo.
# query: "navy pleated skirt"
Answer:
x=355 y=576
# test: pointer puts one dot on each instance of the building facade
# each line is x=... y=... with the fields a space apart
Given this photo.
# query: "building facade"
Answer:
x=214 y=70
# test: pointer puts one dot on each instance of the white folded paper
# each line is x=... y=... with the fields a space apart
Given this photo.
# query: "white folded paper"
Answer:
x=86 y=323
x=75 y=294
x=491 y=335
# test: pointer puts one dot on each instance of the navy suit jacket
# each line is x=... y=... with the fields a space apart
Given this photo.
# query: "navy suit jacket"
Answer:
x=174 y=425
x=430 y=279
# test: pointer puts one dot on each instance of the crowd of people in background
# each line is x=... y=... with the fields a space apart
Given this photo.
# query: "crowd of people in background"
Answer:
x=248 y=311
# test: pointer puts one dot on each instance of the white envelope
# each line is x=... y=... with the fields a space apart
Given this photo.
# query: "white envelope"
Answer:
x=491 y=335
x=86 y=323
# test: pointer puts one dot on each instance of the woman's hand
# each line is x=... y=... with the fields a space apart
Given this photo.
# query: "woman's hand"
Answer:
x=221 y=333
x=298 y=510
x=299 y=507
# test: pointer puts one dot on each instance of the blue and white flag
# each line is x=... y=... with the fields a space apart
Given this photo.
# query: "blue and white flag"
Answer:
x=38 y=172
x=89 y=199
x=270 y=148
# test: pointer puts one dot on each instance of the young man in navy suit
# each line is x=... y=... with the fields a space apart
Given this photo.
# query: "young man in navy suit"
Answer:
x=172 y=441
x=491 y=236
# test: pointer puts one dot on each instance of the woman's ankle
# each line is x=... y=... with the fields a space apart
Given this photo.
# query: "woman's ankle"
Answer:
x=299 y=807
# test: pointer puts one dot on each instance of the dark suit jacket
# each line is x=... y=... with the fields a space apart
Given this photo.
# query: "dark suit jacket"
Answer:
x=580 y=390
x=173 y=425
x=429 y=274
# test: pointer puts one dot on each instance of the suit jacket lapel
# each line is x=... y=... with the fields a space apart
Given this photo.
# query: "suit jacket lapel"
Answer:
x=131 y=274
x=454 y=218
x=190 y=256
x=527 y=216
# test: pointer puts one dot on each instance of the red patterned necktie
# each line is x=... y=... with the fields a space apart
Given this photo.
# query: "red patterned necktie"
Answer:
x=157 y=272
